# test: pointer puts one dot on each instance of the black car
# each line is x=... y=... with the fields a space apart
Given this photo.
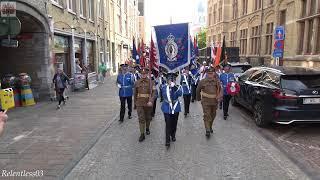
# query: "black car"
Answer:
x=239 y=68
x=280 y=94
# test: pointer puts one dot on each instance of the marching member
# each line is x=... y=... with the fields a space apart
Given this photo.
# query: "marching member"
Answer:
x=225 y=78
x=125 y=82
x=203 y=69
x=162 y=82
x=185 y=82
x=208 y=91
x=136 y=73
x=155 y=80
x=171 y=106
x=144 y=94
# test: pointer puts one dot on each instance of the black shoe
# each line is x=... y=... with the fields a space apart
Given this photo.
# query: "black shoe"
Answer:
x=225 y=117
x=185 y=114
x=142 y=137
x=173 y=139
x=64 y=102
x=211 y=130
x=130 y=117
x=168 y=144
x=220 y=107
x=147 y=131
x=207 y=134
x=121 y=120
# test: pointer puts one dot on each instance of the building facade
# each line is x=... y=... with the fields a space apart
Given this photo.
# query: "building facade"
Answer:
x=250 y=24
x=58 y=33
x=142 y=30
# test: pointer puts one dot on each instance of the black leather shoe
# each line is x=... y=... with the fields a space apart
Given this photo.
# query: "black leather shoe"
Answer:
x=130 y=117
x=185 y=114
x=207 y=134
x=173 y=139
x=225 y=117
x=121 y=120
x=168 y=144
x=142 y=138
x=211 y=130
x=147 y=131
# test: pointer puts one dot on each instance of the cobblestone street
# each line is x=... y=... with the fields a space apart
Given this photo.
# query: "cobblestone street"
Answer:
x=235 y=151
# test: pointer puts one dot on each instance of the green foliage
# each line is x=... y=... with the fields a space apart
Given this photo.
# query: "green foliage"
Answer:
x=202 y=39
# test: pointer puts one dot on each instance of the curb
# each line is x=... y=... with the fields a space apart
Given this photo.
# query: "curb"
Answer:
x=69 y=167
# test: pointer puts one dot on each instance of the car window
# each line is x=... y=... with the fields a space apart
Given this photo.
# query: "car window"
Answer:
x=240 y=69
x=257 y=76
x=247 y=74
x=300 y=82
x=272 y=79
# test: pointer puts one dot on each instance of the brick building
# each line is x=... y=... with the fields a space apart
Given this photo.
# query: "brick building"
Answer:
x=249 y=25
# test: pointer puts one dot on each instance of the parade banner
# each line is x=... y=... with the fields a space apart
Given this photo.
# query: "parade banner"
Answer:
x=173 y=46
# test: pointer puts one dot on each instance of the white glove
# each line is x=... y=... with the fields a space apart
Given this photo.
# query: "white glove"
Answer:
x=119 y=86
x=172 y=84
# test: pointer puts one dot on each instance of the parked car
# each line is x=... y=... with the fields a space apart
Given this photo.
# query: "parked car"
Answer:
x=282 y=95
x=239 y=68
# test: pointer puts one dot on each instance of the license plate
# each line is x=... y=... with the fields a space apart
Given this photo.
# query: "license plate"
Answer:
x=311 y=101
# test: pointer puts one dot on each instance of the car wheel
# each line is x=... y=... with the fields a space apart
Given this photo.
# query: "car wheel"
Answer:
x=259 y=115
x=234 y=101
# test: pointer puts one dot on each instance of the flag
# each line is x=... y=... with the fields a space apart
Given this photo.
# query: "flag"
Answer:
x=153 y=64
x=196 y=48
x=220 y=55
x=223 y=58
x=173 y=46
x=135 y=54
x=213 y=52
x=142 y=56
x=217 y=56
x=193 y=53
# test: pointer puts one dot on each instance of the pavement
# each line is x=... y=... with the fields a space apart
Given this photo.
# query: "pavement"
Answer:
x=41 y=138
x=235 y=151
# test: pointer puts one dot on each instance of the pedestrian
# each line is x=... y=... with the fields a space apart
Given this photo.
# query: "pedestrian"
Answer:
x=162 y=82
x=60 y=80
x=226 y=77
x=171 y=106
x=144 y=94
x=185 y=82
x=194 y=82
x=208 y=91
x=3 y=119
x=78 y=67
x=102 y=71
x=125 y=82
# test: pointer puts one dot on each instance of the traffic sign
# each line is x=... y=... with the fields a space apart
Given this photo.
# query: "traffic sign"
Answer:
x=279 y=33
x=279 y=44
x=277 y=54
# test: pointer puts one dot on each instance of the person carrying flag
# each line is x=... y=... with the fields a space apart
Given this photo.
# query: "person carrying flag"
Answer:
x=195 y=80
x=125 y=82
x=171 y=106
x=185 y=82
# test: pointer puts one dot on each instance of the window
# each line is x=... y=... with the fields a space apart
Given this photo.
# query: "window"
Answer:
x=269 y=37
x=126 y=27
x=233 y=39
x=71 y=4
x=243 y=41
x=283 y=17
x=126 y=6
x=235 y=9
x=257 y=76
x=91 y=9
x=272 y=79
x=57 y=2
x=100 y=6
x=82 y=7
x=120 y=25
x=309 y=29
x=220 y=11
x=215 y=14
x=255 y=40
x=244 y=7
x=257 y=4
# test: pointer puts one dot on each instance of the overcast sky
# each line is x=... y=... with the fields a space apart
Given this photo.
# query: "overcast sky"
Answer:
x=158 y=12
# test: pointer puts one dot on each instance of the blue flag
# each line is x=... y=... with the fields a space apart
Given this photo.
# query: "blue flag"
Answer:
x=173 y=44
x=135 y=54
x=193 y=53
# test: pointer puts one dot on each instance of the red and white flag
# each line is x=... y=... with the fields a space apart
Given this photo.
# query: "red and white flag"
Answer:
x=213 y=51
x=153 y=64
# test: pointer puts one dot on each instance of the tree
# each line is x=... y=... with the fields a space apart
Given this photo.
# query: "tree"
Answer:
x=202 y=39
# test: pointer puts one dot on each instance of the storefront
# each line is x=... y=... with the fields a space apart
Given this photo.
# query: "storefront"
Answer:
x=61 y=53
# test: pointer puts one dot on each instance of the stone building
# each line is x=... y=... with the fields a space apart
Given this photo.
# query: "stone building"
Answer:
x=57 y=33
x=142 y=33
x=250 y=24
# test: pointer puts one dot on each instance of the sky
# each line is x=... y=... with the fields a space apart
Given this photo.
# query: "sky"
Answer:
x=159 y=12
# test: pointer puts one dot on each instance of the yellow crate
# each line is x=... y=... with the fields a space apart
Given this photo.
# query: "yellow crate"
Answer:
x=7 y=98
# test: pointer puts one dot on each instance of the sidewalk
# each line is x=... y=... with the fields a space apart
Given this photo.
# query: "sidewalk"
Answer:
x=43 y=138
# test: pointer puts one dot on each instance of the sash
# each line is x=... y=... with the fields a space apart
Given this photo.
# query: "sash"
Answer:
x=186 y=80
x=173 y=107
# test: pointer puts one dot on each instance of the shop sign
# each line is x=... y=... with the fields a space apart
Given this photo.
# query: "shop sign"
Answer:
x=8 y=9
x=79 y=81
x=92 y=80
